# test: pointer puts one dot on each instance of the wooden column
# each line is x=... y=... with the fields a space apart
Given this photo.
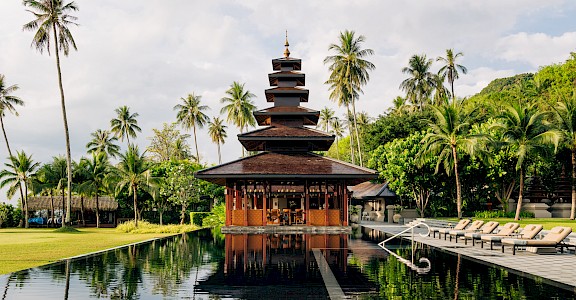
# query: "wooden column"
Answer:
x=307 y=202
x=237 y=201
x=326 y=203
x=245 y=206
x=345 y=201
x=264 y=206
x=228 y=202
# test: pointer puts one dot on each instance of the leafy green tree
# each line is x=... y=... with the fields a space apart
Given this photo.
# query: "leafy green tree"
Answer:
x=397 y=162
x=168 y=144
x=349 y=71
x=182 y=188
x=125 y=124
x=191 y=114
x=525 y=129
x=421 y=82
x=52 y=16
x=239 y=107
x=133 y=173
x=217 y=132
x=21 y=170
x=102 y=141
x=96 y=171
x=448 y=137
x=450 y=68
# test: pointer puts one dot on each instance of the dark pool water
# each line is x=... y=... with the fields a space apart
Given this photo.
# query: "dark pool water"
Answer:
x=207 y=265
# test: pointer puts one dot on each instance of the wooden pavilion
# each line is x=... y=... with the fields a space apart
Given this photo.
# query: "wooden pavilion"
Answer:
x=286 y=183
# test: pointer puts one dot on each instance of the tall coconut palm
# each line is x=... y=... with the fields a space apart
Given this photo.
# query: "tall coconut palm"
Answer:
x=125 y=124
x=52 y=16
x=51 y=178
x=217 y=131
x=448 y=137
x=103 y=141
x=239 y=107
x=525 y=129
x=565 y=115
x=95 y=171
x=343 y=96
x=21 y=170
x=326 y=114
x=421 y=82
x=338 y=130
x=348 y=67
x=191 y=114
x=133 y=172
x=450 y=68
x=7 y=104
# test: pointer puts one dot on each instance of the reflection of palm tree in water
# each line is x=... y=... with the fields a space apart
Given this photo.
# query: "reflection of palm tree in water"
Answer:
x=67 y=271
x=6 y=287
x=457 y=277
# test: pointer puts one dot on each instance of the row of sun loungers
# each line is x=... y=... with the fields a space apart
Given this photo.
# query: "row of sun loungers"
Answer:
x=508 y=235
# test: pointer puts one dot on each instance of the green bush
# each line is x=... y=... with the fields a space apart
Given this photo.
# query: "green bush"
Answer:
x=146 y=227
x=197 y=217
x=10 y=216
x=493 y=214
x=216 y=218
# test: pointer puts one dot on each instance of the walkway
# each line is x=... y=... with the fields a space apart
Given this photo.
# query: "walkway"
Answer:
x=558 y=270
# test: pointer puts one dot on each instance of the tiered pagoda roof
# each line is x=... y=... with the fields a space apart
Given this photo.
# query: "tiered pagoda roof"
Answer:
x=286 y=141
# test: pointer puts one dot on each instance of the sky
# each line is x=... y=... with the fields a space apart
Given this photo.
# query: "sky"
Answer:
x=148 y=54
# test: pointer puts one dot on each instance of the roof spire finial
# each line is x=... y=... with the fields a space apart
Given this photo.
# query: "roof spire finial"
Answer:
x=286 y=44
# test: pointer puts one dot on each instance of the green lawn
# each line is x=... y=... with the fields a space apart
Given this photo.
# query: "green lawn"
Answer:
x=25 y=248
x=548 y=223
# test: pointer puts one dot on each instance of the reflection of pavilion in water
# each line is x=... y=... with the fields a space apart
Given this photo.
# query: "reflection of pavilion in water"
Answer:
x=253 y=252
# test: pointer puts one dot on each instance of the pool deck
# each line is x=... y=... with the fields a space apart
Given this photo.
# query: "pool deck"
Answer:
x=556 y=269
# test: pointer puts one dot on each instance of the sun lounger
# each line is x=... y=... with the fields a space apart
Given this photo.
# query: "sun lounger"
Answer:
x=461 y=225
x=504 y=232
x=488 y=228
x=475 y=226
x=552 y=240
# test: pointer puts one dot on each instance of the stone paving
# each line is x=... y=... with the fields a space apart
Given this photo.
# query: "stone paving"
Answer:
x=556 y=269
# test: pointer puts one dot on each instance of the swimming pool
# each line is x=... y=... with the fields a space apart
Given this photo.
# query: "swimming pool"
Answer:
x=207 y=265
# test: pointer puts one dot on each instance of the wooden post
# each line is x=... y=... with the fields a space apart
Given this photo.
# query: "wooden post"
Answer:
x=264 y=205
x=237 y=201
x=326 y=203
x=307 y=203
x=245 y=205
x=345 y=201
x=229 y=199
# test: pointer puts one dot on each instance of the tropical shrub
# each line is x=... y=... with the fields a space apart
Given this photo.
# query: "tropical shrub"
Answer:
x=492 y=214
x=216 y=218
x=146 y=227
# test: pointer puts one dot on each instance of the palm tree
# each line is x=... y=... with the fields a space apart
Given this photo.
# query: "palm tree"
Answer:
x=52 y=16
x=102 y=141
x=343 y=96
x=565 y=113
x=349 y=68
x=450 y=68
x=190 y=114
x=338 y=130
x=133 y=172
x=239 y=107
x=217 y=132
x=8 y=103
x=525 y=129
x=125 y=124
x=326 y=114
x=96 y=171
x=450 y=135
x=21 y=170
x=421 y=82
x=52 y=177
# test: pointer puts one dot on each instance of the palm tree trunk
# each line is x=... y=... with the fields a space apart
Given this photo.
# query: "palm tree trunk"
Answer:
x=242 y=131
x=452 y=88
x=520 y=191
x=573 y=208
x=128 y=140
x=357 y=135
x=26 y=204
x=219 y=154
x=82 y=210
x=66 y=131
x=196 y=143
x=337 y=149
x=97 y=211
x=135 y=206
x=161 y=214
x=10 y=152
x=458 y=187
x=52 y=214
x=351 y=138
x=63 y=206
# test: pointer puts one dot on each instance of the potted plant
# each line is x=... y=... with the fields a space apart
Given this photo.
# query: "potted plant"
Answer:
x=355 y=213
x=397 y=210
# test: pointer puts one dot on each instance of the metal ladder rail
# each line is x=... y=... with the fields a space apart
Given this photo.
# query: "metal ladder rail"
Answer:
x=410 y=264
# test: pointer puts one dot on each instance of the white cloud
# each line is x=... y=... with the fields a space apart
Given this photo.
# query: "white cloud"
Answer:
x=537 y=49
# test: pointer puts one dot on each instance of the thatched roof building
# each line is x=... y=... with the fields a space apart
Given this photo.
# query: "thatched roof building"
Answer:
x=105 y=203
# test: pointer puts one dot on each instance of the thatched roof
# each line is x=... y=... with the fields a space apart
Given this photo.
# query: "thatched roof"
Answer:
x=370 y=190
x=105 y=203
